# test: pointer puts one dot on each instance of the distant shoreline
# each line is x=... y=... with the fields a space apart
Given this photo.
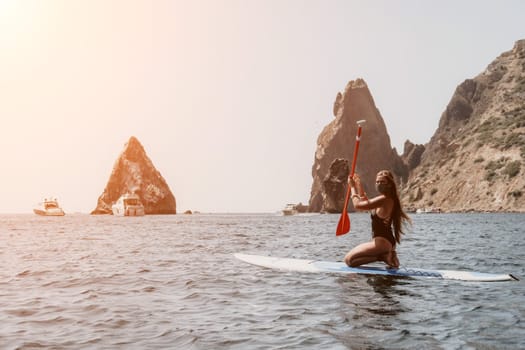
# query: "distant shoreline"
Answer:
x=470 y=211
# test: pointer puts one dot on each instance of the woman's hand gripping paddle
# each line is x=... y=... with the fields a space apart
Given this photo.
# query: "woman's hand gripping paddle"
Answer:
x=344 y=222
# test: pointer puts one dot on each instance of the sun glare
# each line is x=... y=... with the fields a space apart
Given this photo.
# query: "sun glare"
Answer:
x=15 y=19
x=8 y=10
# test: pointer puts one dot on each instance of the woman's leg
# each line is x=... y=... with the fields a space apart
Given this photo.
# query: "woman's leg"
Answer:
x=375 y=250
x=392 y=261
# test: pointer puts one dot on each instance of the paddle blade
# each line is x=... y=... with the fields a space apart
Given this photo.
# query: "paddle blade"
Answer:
x=344 y=224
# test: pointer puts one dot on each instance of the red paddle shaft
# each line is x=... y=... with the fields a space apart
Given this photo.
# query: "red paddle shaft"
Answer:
x=344 y=222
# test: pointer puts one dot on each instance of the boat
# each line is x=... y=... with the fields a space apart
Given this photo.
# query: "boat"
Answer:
x=290 y=209
x=49 y=207
x=431 y=210
x=128 y=204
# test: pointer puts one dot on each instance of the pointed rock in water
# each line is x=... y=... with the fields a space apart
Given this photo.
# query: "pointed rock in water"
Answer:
x=337 y=141
x=334 y=186
x=134 y=172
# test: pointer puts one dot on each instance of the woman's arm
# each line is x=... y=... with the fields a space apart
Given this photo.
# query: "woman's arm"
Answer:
x=359 y=187
x=358 y=195
x=367 y=204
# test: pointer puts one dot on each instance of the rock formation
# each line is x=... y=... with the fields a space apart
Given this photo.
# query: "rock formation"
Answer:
x=475 y=161
x=412 y=154
x=134 y=172
x=335 y=147
x=334 y=186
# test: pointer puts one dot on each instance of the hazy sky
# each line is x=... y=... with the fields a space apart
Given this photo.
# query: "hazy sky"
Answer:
x=227 y=97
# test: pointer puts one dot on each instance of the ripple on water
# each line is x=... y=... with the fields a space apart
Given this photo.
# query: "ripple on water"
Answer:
x=172 y=282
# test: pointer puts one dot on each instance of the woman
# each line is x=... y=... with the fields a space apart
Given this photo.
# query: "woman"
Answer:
x=387 y=214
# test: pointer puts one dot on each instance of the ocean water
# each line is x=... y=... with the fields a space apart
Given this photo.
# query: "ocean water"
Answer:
x=171 y=282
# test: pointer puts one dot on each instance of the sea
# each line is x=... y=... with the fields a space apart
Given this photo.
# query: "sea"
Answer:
x=172 y=282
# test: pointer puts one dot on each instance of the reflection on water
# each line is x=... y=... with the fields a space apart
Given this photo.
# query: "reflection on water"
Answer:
x=386 y=285
x=372 y=305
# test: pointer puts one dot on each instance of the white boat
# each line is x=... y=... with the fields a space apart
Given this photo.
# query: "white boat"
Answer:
x=290 y=209
x=49 y=207
x=128 y=205
x=431 y=210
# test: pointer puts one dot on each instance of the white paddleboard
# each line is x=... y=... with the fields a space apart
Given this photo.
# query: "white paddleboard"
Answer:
x=303 y=265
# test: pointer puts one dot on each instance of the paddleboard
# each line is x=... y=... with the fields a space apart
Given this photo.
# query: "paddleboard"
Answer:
x=316 y=266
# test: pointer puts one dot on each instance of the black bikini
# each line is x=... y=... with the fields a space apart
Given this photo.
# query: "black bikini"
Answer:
x=382 y=228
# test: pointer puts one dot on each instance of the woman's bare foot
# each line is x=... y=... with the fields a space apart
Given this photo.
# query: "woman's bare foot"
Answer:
x=392 y=261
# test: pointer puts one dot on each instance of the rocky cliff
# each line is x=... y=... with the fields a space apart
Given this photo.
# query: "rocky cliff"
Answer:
x=134 y=172
x=335 y=147
x=476 y=159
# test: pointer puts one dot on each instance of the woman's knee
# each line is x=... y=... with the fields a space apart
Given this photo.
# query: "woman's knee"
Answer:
x=353 y=263
x=352 y=260
x=348 y=258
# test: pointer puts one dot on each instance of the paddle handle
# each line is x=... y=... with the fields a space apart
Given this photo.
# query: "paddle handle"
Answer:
x=352 y=169
x=356 y=149
x=344 y=221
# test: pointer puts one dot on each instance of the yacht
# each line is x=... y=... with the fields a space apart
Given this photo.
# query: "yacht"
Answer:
x=48 y=207
x=128 y=205
x=431 y=210
x=290 y=209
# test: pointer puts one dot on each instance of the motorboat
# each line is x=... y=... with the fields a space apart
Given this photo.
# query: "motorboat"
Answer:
x=290 y=209
x=431 y=210
x=128 y=204
x=49 y=207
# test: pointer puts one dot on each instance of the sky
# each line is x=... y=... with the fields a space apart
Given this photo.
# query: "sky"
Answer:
x=227 y=97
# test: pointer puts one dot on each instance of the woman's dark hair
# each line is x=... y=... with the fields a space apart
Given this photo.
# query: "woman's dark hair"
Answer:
x=399 y=217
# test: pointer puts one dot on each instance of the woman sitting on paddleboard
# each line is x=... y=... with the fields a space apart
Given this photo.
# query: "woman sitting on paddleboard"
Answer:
x=387 y=216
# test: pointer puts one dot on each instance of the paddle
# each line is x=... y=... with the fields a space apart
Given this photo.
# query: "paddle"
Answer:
x=344 y=222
